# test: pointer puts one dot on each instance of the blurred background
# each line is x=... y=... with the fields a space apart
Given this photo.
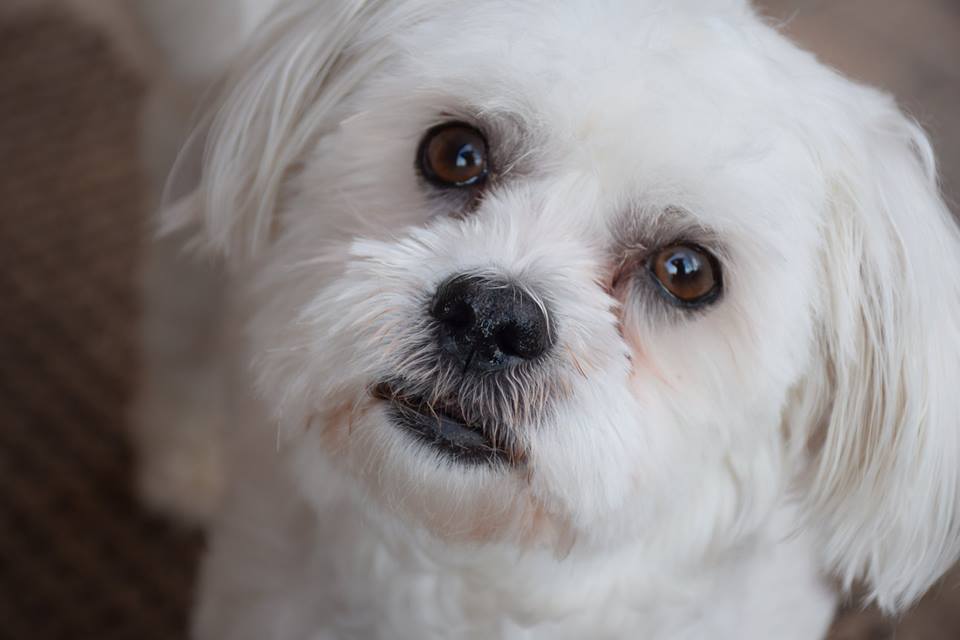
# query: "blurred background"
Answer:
x=78 y=557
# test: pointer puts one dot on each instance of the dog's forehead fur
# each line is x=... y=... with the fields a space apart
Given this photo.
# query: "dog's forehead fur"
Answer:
x=644 y=108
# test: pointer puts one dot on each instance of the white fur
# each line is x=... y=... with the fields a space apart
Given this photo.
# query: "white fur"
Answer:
x=690 y=475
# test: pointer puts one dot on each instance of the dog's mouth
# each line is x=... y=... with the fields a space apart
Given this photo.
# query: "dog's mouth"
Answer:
x=444 y=428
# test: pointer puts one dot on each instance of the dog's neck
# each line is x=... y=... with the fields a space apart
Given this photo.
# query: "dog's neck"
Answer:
x=586 y=590
x=376 y=575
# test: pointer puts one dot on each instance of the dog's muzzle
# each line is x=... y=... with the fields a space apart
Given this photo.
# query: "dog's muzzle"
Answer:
x=487 y=335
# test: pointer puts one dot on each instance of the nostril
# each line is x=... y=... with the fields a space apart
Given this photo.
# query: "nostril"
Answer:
x=526 y=341
x=513 y=340
x=453 y=305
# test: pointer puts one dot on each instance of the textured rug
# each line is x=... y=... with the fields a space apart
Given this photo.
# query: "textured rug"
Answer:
x=78 y=557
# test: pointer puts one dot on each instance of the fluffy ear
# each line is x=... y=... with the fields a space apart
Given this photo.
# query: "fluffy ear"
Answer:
x=279 y=98
x=886 y=404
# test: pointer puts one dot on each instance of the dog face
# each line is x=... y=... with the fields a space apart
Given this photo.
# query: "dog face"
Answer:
x=569 y=274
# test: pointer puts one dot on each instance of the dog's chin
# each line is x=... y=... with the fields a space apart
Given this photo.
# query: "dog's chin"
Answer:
x=445 y=429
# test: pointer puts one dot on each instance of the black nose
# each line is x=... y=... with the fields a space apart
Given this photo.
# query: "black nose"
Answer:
x=488 y=324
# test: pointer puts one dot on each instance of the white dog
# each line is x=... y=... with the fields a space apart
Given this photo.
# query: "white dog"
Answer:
x=566 y=319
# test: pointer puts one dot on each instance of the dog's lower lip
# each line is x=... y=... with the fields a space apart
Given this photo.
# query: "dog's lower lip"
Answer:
x=447 y=433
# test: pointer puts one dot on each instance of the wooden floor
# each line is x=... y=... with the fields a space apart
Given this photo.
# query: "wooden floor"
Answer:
x=78 y=557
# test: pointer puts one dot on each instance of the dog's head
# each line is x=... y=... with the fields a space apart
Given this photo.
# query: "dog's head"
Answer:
x=555 y=273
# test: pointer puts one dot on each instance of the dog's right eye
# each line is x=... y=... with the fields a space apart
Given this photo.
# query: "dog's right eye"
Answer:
x=453 y=155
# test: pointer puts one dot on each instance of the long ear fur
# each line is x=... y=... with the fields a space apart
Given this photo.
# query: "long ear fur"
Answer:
x=886 y=403
x=278 y=100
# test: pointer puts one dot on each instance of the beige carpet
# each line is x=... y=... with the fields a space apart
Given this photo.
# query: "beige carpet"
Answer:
x=78 y=557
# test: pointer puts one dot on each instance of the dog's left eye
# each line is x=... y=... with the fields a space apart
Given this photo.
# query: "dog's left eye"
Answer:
x=453 y=155
x=687 y=274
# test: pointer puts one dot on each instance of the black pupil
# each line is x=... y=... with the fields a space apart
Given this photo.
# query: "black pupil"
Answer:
x=683 y=264
x=467 y=157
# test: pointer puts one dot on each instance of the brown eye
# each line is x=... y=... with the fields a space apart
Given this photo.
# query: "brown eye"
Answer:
x=687 y=275
x=453 y=155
